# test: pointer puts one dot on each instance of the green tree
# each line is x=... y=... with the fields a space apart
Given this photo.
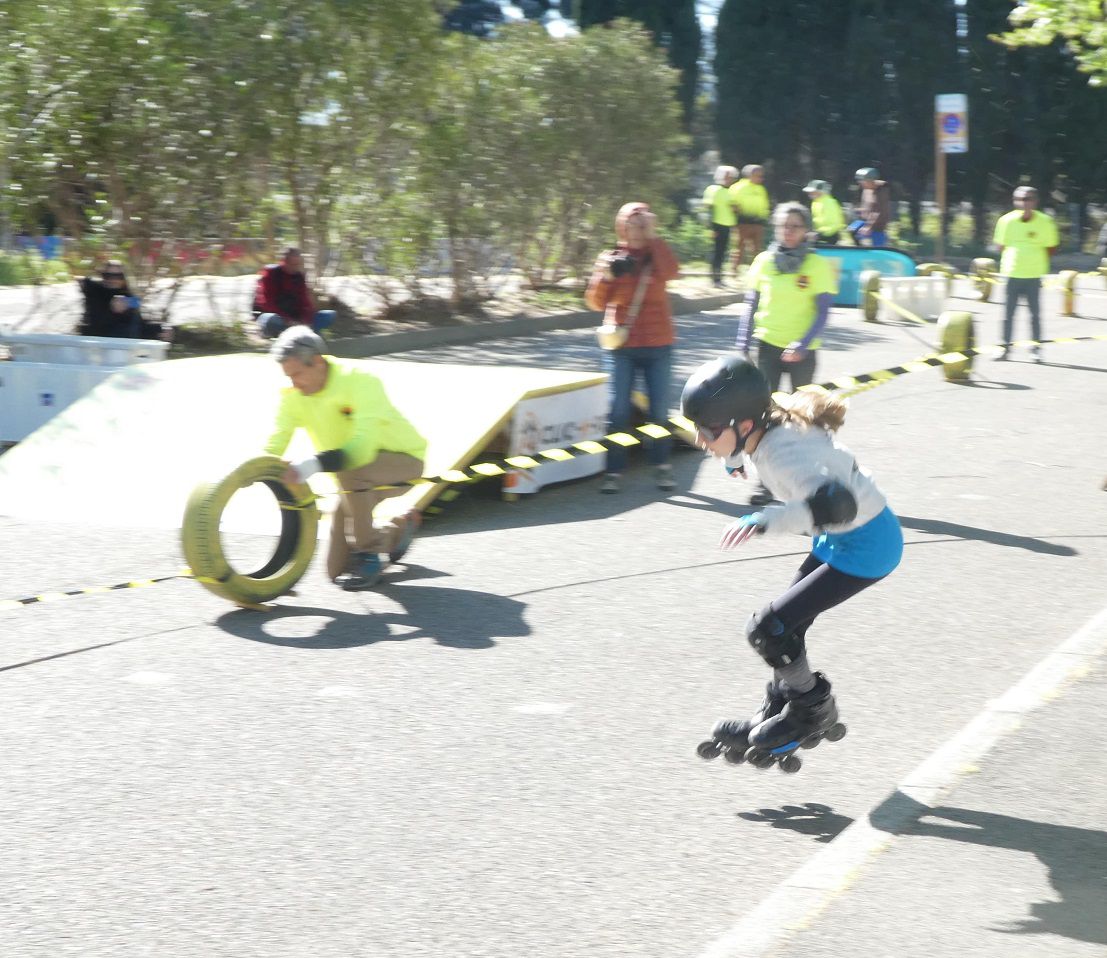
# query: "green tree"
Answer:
x=674 y=26
x=138 y=125
x=1080 y=24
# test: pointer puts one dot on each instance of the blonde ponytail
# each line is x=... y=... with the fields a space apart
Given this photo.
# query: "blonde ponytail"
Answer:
x=806 y=408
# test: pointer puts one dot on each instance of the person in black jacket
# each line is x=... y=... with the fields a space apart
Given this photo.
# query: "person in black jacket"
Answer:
x=111 y=309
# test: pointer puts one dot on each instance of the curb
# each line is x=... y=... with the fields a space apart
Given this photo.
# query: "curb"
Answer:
x=358 y=347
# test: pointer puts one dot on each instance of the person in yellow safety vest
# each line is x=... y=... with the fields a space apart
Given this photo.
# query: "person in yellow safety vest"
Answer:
x=826 y=213
x=360 y=437
x=751 y=203
x=1027 y=238
x=720 y=205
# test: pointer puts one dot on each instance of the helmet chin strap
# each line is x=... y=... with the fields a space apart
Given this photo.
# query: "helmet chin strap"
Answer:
x=762 y=422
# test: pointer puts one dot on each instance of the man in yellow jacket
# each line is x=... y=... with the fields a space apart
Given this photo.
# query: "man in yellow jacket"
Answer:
x=359 y=436
x=1027 y=238
x=826 y=213
x=751 y=204
x=720 y=205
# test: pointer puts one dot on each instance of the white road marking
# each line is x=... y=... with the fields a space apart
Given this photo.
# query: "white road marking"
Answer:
x=800 y=898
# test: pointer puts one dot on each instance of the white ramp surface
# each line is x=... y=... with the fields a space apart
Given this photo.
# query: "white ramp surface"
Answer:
x=130 y=452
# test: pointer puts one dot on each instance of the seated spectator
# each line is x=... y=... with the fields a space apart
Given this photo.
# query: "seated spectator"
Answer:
x=111 y=309
x=282 y=298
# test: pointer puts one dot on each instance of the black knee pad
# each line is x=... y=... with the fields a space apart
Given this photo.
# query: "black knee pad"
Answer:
x=774 y=641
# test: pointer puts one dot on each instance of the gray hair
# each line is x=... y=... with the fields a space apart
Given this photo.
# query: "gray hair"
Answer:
x=723 y=173
x=298 y=342
x=750 y=168
x=784 y=210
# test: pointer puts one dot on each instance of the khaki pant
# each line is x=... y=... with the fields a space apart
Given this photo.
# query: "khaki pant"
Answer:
x=750 y=237
x=352 y=528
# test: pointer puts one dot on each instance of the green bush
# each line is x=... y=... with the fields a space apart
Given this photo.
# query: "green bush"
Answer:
x=691 y=240
x=29 y=268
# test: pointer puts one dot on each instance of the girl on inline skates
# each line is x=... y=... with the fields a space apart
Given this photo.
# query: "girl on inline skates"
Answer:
x=824 y=493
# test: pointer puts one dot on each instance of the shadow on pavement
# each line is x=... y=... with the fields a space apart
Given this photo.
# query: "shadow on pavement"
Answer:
x=1075 y=858
x=939 y=527
x=817 y=821
x=455 y=618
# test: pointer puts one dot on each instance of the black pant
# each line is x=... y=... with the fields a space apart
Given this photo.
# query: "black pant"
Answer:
x=718 y=257
x=816 y=588
x=770 y=363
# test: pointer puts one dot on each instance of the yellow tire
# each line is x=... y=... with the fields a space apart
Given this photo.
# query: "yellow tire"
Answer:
x=203 y=547
x=984 y=270
x=1067 y=278
x=925 y=269
x=869 y=285
x=956 y=333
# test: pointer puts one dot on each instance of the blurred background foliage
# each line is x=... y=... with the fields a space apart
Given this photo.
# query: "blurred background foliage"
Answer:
x=431 y=139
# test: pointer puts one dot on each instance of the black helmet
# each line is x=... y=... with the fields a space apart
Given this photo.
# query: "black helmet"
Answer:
x=867 y=173
x=725 y=390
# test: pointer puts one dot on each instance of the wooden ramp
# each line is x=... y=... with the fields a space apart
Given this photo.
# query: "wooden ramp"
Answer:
x=129 y=453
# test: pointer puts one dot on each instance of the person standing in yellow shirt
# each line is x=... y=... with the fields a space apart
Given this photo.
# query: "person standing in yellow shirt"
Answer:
x=789 y=292
x=826 y=213
x=1026 y=238
x=720 y=205
x=751 y=203
x=360 y=437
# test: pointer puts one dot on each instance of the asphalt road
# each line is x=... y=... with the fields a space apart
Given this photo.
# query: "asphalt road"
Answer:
x=493 y=753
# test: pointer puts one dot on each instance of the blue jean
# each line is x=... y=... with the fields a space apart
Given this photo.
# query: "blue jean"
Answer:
x=622 y=366
x=876 y=237
x=273 y=324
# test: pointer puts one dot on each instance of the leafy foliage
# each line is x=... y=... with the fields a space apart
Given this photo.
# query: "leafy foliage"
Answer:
x=1080 y=24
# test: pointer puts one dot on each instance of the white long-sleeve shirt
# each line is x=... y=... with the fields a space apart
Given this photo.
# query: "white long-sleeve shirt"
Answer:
x=794 y=462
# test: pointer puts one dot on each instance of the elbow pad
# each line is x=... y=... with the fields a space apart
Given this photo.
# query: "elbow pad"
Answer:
x=333 y=460
x=832 y=504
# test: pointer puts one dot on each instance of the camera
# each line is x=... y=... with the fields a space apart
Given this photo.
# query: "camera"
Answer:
x=621 y=263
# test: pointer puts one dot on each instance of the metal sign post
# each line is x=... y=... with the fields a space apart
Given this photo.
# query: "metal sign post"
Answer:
x=951 y=135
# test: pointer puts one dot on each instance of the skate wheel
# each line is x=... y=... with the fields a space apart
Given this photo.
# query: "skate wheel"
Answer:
x=759 y=758
x=836 y=733
x=733 y=756
x=708 y=750
x=810 y=742
x=791 y=764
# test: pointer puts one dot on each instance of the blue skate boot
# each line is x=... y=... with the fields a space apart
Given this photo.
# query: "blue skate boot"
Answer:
x=730 y=737
x=806 y=719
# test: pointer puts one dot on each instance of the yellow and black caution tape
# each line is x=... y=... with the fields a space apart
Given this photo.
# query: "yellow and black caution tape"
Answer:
x=846 y=385
x=90 y=590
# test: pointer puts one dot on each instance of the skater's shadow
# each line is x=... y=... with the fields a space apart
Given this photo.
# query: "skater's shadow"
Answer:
x=938 y=527
x=1075 y=858
x=456 y=618
x=817 y=821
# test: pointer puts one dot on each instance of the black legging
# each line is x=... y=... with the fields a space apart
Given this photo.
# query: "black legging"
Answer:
x=769 y=361
x=816 y=588
x=718 y=256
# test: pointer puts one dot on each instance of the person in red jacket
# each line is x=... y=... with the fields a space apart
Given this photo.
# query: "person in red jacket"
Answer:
x=282 y=298
x=641 y=257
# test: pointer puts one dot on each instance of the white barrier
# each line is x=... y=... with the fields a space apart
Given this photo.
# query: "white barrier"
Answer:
x=46 y=372
x=921 y=296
